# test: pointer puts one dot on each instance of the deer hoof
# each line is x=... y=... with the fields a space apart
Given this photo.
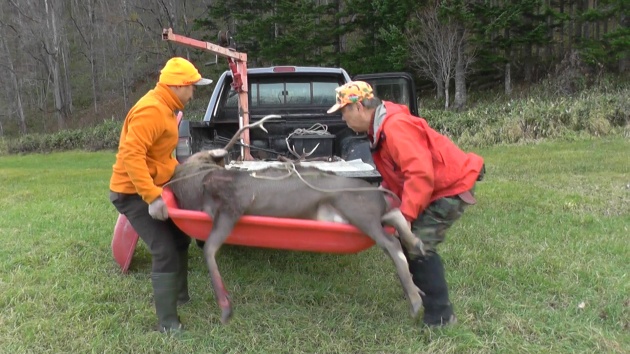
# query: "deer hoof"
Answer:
x=226 y=315
x=415 y=308
x=420 y=247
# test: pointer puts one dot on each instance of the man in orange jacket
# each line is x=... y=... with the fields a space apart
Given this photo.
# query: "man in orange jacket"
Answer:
x=145 y=161
x=433 y=178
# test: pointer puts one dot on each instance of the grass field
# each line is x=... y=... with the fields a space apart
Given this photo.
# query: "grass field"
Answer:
x=539 y=265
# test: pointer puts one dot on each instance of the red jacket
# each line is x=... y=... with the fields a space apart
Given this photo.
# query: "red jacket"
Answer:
x=417 y=163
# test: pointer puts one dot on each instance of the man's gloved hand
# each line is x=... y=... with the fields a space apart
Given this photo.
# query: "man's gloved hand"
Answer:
x=158 y=210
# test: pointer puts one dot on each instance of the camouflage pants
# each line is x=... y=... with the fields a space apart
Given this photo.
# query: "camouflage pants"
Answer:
x=438 y=217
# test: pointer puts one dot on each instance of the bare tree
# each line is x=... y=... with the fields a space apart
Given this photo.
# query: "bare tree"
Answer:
x=54 y=50
x=465 y=56
x=126 y=48
x=83 y=17
x=52 y=53
x=508 y=66
x=15 y=84
x=7 y=64
x=434 y=50
x=624 y=60
x=43 y=34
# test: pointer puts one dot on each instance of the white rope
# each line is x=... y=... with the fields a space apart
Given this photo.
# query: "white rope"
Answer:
x=291 y=169
x=204 y=170
x=315 y=129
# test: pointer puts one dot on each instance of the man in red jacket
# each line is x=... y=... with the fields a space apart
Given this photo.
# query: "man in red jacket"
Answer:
x=433 y=178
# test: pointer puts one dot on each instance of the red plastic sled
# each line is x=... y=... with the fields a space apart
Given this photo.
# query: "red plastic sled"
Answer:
x=124 y=242
x=253 y=231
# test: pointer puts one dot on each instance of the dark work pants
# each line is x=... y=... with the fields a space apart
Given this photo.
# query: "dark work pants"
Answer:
x=428 y=271
x=163 y=238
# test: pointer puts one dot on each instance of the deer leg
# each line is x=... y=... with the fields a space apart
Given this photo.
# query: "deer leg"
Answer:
x=413 y=245
x=221 y=229
x=370 y=225
x=392 y=248
x=367 y=217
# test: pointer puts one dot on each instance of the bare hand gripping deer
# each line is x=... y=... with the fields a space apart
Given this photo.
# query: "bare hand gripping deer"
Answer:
x=202 y=183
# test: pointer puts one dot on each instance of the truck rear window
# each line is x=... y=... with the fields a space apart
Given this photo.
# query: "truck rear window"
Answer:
x=288 y=93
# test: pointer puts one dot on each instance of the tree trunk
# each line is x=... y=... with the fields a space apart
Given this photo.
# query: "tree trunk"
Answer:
x=93 y=63
x=440 y=90
x=126 y=56
x=16 y=87
x=508 y=67
x=66 y=89
x=338 y=42
x=598 y=24
x=446 y=94
x=169 y=11
x=460 y=73
x=56 y=84
x=527 y=53
x=95 y=90
x=570 y=27
x=51 y=54
x=624 y=60
x=527 y=62
x=585 y=32
x=187 y=27
x=561 y=32
x=508 y=79
x=20 y=108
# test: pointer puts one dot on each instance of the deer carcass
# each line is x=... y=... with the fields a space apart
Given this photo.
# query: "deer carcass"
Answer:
x=293 y=191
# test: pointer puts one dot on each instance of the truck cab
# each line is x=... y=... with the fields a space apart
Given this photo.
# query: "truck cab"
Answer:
x=300 y=96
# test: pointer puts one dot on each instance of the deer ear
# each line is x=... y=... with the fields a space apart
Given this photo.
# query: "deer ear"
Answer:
x=218 y=156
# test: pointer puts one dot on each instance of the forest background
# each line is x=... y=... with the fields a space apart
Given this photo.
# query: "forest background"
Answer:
x=72 y=64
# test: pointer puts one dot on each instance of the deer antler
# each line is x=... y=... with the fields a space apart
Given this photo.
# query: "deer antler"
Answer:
x=249 y=126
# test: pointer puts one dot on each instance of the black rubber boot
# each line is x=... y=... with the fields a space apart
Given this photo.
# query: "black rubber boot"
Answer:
x=182 y=279
x=165 y=293
x=428 y=275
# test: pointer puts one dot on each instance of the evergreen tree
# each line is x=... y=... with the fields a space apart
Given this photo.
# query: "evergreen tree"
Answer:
x=278 y=32
x=377 y=31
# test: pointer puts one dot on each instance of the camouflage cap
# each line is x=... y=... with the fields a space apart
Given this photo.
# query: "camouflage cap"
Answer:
x=351 y=92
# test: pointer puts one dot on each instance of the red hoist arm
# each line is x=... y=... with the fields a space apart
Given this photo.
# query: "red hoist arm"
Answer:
x=238 y=65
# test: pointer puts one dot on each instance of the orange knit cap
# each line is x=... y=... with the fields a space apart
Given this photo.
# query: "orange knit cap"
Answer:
x=180 y=72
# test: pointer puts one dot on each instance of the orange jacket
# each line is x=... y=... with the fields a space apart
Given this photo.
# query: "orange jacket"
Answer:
x=145 y=160
x=417 y=163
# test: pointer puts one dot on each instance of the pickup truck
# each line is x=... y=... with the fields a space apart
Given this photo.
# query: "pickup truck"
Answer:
x=300 y=96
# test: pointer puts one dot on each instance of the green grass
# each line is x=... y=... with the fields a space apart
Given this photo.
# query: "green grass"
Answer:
x=540 y=264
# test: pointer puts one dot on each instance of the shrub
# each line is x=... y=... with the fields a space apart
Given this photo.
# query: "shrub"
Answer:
x=101 y=137
x=63 y=140
x=547 y=113
x=104 y=136
x=25 y=144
